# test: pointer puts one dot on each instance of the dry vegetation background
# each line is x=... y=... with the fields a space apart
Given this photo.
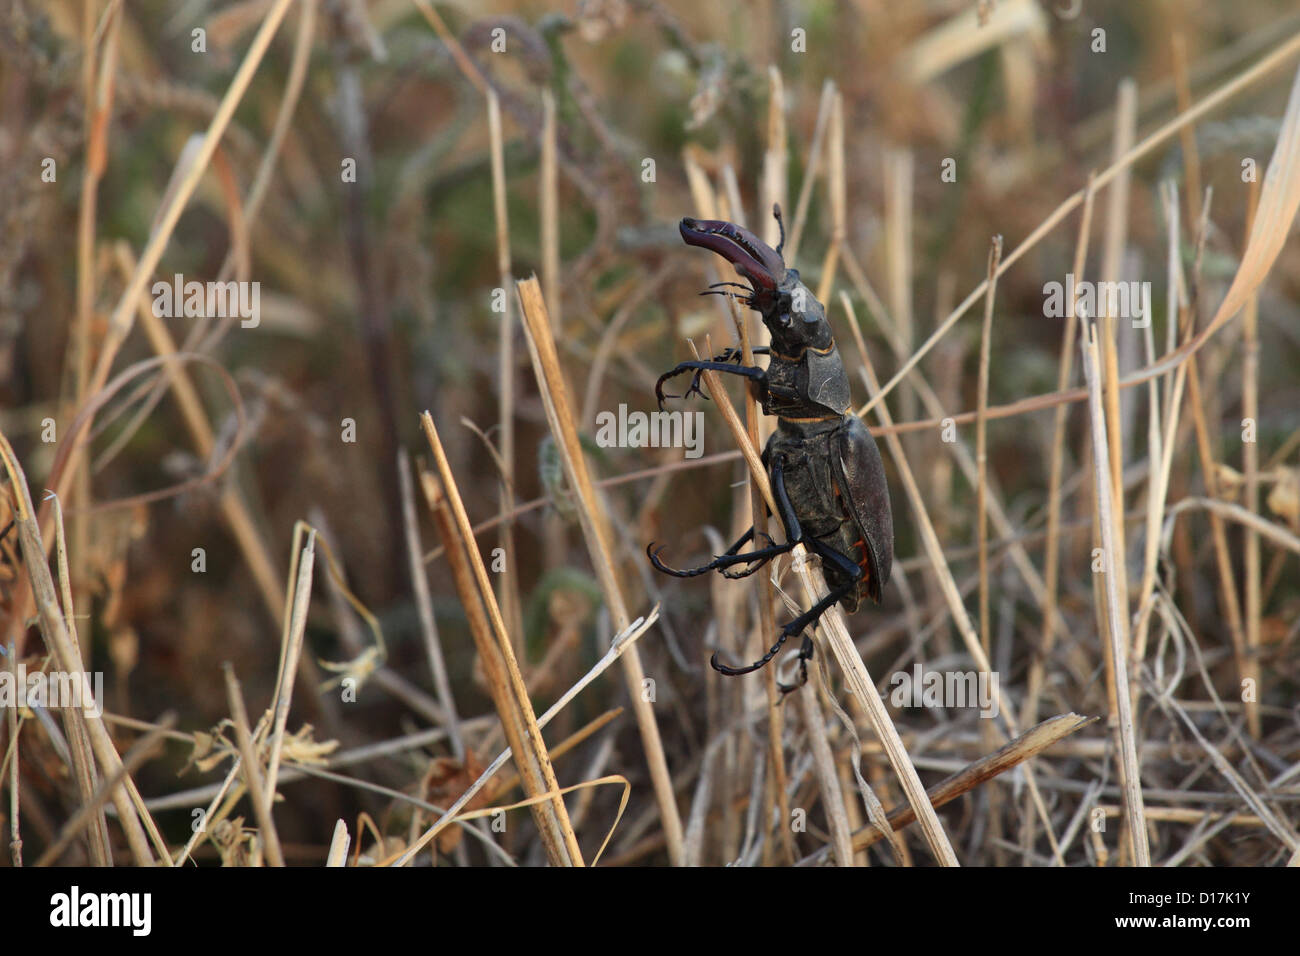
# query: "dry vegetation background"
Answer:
x=378 y=665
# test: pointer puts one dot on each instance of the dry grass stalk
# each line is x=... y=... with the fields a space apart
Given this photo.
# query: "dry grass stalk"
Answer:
x=1130 y=778
x=1187 y=136
x=810 y=709
x=511 y=780
x=339 y=843
x=1052 y=551
x=1112 y=263
x=812 y=168
x=448 y=38
x=505 y=682
x=981 y=444
x=98 y=75
x=252 y=769
x=967 y=34
x=170 y=215
x=549 y=207
x=1206 y=439
x=982 y=519
x=836 y=198
x=559 y=412
x=828 y=781
x=83 y=768
x=508 y=583
x=1161 y=445
x=126 y=798
x=1011 y=755
x=12 y=754
x=899 y=174
x=1250 y=474
x=424 y=606
x=241 y=224
x=735 y=210
x=1187 y=815
x=1274 y=533
x=302 y=47
x=776 y=158
x=295 y=626
x=758 y=429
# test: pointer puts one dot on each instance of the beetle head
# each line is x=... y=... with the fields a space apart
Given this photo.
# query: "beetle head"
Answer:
x=789 y=309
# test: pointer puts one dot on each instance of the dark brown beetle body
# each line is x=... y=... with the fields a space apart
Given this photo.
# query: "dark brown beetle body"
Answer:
x=823 y=460
x=827 y=476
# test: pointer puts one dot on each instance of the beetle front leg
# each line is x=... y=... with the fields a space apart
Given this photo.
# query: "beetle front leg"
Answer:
x=730 y=356
x=756 y=375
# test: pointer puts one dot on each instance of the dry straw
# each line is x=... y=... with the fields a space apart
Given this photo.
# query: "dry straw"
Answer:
x=502 y=669
x=591 y=514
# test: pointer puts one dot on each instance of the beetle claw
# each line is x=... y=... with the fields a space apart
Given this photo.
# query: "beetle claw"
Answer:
x=729 y=671
x=653 y=554
x=695 y=387
x=805 y=655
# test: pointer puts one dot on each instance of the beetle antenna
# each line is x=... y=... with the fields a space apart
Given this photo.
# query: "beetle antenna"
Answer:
x=776 y=211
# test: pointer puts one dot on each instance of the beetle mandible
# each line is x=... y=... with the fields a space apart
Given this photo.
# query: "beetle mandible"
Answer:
x=827 y=477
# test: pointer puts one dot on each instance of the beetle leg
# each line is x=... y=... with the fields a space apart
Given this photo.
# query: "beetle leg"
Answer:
x=733 y=354
x=805 y=655
x=753 y=373
x=794 y=535
x=732 y=357
x=759 y=556
x=784 y=506
x=727 y=559
x=796 y=626
x=849 y=569
x=789 y=520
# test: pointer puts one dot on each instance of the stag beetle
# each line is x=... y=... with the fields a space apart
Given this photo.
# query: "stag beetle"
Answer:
x=827 y=477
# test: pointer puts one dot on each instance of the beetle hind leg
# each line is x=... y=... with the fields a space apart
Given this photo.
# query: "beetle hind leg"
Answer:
x=797 y=626
x=805 y=655
x=851 y=573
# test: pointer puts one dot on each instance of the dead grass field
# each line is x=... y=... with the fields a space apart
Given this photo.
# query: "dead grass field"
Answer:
x=333 y=553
